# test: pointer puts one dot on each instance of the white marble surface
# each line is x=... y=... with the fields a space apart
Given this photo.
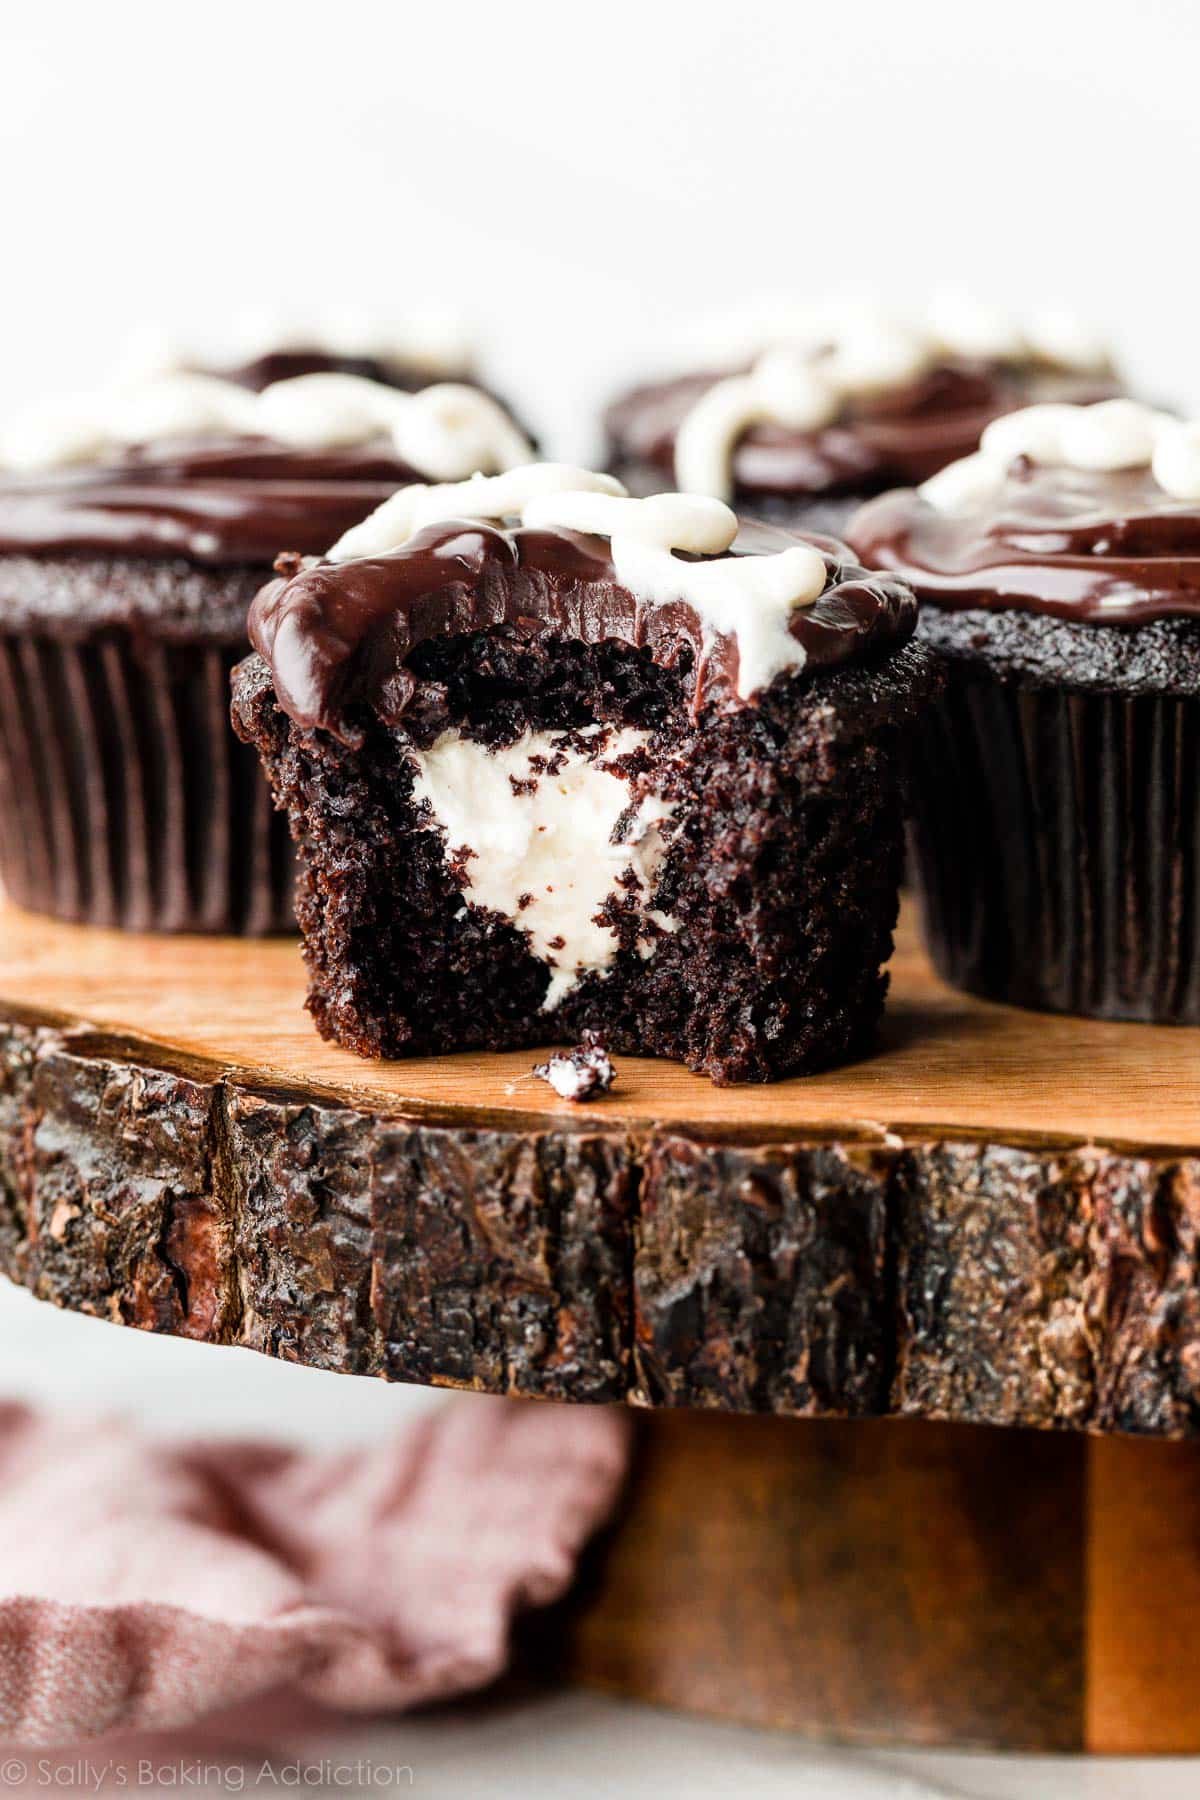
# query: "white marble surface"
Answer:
x=579 y=192
x=579 y=1746
x=582 y=1745
x=567 y=1745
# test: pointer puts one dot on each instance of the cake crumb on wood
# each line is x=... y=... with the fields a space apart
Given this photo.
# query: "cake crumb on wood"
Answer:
x=583 y=1073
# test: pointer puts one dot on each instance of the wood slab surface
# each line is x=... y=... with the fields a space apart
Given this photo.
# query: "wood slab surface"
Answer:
x=945 y=1061
x=994 y=1218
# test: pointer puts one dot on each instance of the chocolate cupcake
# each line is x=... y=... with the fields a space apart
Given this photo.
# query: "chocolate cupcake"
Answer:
x=134 y=531
x=799 y=417
x=1057 y=789
x=550 y=778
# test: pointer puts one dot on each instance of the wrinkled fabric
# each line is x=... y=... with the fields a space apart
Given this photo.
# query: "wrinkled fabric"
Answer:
x=145 y=1584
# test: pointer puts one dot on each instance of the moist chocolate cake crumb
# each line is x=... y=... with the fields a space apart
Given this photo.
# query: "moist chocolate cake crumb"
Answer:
x=1159 y=657
x=581 y=1074
x=774 y=908
x=79 y=597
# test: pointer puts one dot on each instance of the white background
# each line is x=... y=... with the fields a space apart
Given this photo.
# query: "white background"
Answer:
x=577 y=178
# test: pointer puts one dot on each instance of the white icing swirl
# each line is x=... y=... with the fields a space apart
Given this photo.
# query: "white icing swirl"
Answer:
x=448 y=430
x=818 y=357
x=1176 y=460
x=451 y=430
x=435 y=343
x=749 y=599
x=959 y=324
x=783 y=388
x=964 y=485
x=746 y=599
x=1062 y=339
x=411 y=509
x=1107 y=436
x=177 y=406
x=325 y=411
x=1112 y=434
x=951 y=323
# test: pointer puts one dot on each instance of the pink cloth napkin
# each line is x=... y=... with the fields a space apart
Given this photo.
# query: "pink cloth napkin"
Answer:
x=145 y=1584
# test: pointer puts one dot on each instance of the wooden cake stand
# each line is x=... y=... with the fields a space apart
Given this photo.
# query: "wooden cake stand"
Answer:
x=995 y=1221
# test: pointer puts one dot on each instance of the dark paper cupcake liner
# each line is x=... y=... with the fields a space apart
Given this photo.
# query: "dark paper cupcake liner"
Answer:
x=125 y=799
x=1057 y=844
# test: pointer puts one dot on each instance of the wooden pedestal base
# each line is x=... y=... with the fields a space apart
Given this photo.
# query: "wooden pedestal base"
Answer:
x=920 y=1583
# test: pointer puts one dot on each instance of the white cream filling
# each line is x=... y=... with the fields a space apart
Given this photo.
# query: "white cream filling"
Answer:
x=544 y=857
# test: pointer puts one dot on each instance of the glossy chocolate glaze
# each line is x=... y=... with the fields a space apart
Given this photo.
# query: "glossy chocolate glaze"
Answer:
x=892 y=439
x=214 y=501
x=1095 y=549
x=339 y=634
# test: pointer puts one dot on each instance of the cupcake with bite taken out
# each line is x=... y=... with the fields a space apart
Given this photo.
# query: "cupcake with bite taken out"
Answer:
x=1057 y=788
x=798 y=414
x=135 y=528
x=562 y=761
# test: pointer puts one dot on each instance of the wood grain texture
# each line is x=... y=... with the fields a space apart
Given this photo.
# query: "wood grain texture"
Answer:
x=942 y=1231
x=895 y=1582
x=948 y=1064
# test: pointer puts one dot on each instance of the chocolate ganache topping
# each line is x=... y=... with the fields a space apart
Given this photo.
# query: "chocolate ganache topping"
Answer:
x=896 y=437
x=745 y=604
x=849 y=401
x=213 y=501
x=1089 y=514
x=194 y=466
